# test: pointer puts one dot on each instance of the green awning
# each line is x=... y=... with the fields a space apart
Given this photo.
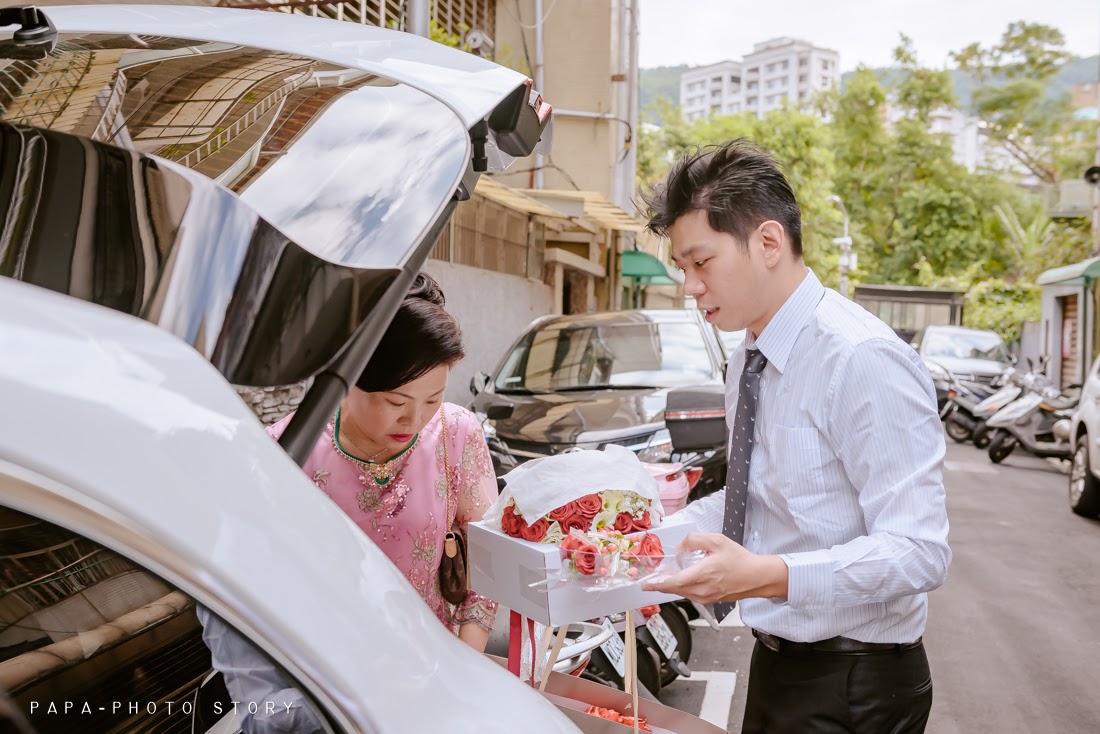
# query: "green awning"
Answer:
x=1076 y=274
x=647 y=269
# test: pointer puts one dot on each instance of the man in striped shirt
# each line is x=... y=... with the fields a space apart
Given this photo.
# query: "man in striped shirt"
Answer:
x=835 y=526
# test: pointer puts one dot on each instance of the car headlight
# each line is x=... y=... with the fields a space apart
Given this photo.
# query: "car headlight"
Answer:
x=659 y=448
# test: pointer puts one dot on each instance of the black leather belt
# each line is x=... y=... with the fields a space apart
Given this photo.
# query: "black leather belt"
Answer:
x=835 y=645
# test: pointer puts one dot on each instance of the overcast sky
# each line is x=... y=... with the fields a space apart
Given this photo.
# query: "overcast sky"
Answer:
x=700 y=32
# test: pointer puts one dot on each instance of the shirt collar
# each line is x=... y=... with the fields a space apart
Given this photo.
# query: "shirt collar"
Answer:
x=778 y=338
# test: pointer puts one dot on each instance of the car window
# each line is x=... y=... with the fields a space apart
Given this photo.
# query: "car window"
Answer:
x=91 y=642
x=964 y=345
x=650 y=354
x=731 y=340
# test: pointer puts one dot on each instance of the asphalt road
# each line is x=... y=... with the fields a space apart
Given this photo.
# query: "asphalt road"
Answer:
x=1013 y=636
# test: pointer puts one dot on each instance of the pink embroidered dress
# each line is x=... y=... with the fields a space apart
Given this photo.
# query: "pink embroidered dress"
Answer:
x=407 y=516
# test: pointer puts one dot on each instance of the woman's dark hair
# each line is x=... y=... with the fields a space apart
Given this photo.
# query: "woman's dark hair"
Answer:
x=737 y=184
x=421 y=337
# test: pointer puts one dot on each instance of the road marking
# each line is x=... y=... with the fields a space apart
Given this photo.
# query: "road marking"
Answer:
x=969 y=467
x=717 y=696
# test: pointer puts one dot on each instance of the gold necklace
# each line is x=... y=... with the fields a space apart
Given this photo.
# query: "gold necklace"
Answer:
x=383 y=472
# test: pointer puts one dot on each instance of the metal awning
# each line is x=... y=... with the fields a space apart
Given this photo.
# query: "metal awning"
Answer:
x=514 y=199
x=1076 y=274
x=645 y=268
x=596 y=207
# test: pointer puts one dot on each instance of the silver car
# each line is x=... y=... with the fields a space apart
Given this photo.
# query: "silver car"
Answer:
x=189 y=198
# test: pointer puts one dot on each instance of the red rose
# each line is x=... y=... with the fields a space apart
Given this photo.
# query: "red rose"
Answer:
x=582 y=554
x=651 y=551
x=511 y=523
x=591 y=505
x=578 y=520
x=563 y=512
x=624 y=523
x=535 y=531
x=627 y=523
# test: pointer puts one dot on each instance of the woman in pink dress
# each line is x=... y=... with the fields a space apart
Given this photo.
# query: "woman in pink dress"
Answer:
x=404 y=465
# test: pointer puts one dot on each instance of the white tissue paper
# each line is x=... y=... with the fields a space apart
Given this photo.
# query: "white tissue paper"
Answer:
x=543 y=485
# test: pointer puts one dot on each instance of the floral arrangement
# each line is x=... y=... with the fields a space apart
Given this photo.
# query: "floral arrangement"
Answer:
x=613 y=715
x=607 y=511
x=612 y=554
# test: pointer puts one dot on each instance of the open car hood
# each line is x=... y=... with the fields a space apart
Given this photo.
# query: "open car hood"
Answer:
x=255 y=183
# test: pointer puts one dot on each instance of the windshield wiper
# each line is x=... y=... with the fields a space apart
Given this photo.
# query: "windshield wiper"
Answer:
x=584 y=388
x=520 y=391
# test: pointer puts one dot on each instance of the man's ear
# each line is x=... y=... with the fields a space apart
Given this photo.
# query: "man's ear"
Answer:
x=773 y=239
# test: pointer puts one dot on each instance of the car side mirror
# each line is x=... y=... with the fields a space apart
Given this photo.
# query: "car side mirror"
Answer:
x=696 y=418
x=499 y=412
x=479 y=382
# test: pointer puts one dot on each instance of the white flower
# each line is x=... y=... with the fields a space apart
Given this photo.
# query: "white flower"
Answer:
x=554 y=535
x=604 y=520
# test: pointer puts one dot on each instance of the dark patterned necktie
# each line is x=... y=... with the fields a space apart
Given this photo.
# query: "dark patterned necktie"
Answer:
x=740 y=454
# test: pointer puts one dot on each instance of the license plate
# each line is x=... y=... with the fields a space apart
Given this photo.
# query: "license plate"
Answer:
x=614 y=649
x=660 y=631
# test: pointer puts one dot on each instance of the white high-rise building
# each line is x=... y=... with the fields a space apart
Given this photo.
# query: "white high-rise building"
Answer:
x=786 y=70
x=778 y=71
x=711 y=90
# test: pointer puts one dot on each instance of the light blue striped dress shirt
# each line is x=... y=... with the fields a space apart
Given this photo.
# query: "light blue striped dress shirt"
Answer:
x=846 y=481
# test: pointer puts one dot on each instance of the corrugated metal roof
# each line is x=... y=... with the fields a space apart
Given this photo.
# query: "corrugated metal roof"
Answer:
x=596 y=208
x=513 y=198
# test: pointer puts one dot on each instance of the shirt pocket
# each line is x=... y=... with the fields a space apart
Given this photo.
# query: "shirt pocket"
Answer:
x=800 y=466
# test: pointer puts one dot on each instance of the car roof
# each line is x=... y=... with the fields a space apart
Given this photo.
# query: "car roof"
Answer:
x=951 y=329
x=611 y=318
x=120 y=432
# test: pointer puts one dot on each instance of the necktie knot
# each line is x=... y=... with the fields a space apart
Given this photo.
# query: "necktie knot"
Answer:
x=755 y=361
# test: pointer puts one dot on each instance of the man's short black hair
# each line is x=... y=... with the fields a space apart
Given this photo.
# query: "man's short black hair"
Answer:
x=737 y=184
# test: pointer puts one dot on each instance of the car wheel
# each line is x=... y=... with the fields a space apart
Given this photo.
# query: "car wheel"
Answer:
x=957 y=431
x=1084 y=487
x=1001 y=445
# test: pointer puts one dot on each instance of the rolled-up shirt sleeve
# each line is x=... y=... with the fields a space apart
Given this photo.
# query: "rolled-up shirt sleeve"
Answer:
x=886 y=432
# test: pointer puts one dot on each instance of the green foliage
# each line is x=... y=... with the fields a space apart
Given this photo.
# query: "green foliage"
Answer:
x=1002 y=306
x=916 y=215
x=661 y=82
x=1013 y=77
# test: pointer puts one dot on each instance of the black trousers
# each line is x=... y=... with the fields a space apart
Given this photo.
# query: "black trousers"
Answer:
x=815 y=692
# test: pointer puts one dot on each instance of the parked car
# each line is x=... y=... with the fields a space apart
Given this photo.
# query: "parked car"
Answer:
x=1084 y=432
x=970 y=355
x=596 y=379
x=193 y=197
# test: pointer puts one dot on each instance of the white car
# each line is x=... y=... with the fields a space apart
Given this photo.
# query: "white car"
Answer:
x=1084 y=479
x=191 y=198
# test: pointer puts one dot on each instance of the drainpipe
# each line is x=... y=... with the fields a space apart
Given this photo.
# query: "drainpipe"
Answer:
x=540 y=84
x=417 y=20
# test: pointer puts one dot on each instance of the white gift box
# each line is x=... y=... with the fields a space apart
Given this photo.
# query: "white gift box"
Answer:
x=520 y=575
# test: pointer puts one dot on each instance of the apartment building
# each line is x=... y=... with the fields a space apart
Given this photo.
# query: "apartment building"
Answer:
x=711 y=90
x=777 y=72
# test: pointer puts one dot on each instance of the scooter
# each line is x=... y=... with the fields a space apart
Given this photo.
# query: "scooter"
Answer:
x=959 y=412
x=1032 y=423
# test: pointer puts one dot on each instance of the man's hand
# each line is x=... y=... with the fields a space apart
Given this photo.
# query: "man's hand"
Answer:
x=728 y=573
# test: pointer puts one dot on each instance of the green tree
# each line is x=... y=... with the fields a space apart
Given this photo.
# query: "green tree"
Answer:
x=1036 y=128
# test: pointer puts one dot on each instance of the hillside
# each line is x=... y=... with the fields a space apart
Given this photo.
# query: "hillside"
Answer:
x=664 y=81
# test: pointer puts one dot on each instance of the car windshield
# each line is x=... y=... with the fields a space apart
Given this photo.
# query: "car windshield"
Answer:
x=563 y=357
x=965 y=345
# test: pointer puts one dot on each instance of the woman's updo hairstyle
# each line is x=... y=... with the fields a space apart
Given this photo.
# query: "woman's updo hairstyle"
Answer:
x=421 y=337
